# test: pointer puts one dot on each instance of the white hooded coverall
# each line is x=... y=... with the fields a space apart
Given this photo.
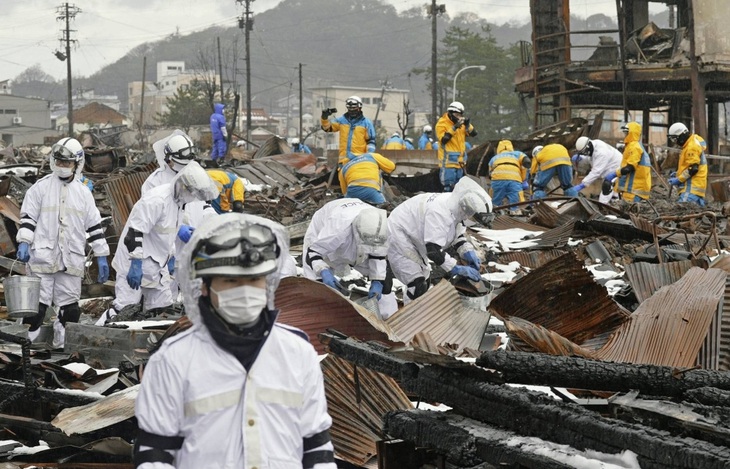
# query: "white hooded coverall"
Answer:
x=55 y=219
x=199 y=398
x=604 y=161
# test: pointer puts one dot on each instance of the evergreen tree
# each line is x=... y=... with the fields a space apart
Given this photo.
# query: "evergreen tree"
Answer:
x=187 y=107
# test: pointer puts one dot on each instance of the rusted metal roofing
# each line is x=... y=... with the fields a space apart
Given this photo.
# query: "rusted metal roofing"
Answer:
x=530 y=259
x=504 y=222
x=563 y=297
x=103 y=413
x=538 y=338
x=723 y=262
x=357 y=398
x=545 y=215
x=268 y=172
x=443 y=315
x=669 y=328
x=556 y=237
x=124 y=192
x=647 y=278
x=314 y=307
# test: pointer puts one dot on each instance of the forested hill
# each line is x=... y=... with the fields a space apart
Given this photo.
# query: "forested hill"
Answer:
x=346 y=42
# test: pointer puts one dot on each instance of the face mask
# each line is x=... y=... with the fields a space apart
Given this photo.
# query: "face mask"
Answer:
x=64 y=173
x=241 y=305
x=177 y=167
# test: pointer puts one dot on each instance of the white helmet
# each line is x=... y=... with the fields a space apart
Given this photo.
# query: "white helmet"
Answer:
x=456 y=106
x=370 y=229
x=469 y=199
x=584 y=146
x=180 y=149
x=295 y=141
x=678 y=133
x=395 y=134
x=537 y=150
x=193 y=183
x=250 y=250
x=427 y=128
x=67 y=149
x=353 y=103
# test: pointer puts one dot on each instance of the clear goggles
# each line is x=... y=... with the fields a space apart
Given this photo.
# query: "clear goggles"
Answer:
x=187 y=153
x=257 y=243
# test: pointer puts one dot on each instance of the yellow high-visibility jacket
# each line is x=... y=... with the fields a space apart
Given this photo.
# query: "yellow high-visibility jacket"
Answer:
x=693 y=153
x=230 y=187
x=364 y=170
x=551 y=155
x=506 y=165
x=453 y=154
x=637 y=183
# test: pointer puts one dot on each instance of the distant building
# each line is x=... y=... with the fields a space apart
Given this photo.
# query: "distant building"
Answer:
x=263 y=125
x=97 y=115
x=25 y=121
x=171 y=76
x=381 y=105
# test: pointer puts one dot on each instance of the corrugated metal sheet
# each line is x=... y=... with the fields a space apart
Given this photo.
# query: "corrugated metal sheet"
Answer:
x=531 y=259
x=505 y=222
x=547 y=216
x=268 y=172
x=647 y=278
x=669 y=328
x=554 y=238
x=124 y=192
x=106 y=412
x=723 y=262
x=443 y=315
x=563 y=297
x=357 y=399
x=314 y=307
x=538 y=338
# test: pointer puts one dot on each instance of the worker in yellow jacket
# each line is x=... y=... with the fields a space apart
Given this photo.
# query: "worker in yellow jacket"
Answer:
x=451 y=131
x=361 y=177
x=549 y=161
x=509 y=172
x=634 y=174
x=231 y=191
x=357 y=133
x=691 y=175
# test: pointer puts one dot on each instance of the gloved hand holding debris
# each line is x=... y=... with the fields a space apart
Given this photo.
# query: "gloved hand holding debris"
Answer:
x=525 y=185
x=466 y=271
x=103 y=266
x=579 y=187
x=473 y=259
x=23 y=254
x=675 y=181
x=134 y=276
x=376 y=289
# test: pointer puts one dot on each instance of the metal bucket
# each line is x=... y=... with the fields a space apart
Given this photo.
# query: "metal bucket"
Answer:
x=22 y=294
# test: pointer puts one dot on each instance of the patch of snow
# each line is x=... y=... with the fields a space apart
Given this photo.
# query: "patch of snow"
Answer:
x=508 y=240
x=573 y=457
x=139 y=325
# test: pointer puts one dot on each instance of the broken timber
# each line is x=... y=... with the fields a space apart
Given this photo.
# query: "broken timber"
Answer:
x=573 y=372
x=530 y=413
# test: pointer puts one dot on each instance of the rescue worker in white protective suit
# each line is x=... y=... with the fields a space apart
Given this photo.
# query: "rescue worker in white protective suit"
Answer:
x=603 y=158
x=237 y=389
x=58 y=217
x=349 y=233
x=146 y=244
x=424 y=226
x=173 y=153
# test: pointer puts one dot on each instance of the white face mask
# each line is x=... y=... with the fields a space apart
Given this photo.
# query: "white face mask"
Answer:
x=63 y=173
x=241 y=305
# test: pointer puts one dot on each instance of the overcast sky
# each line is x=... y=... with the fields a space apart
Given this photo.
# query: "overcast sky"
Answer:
x=107 y=29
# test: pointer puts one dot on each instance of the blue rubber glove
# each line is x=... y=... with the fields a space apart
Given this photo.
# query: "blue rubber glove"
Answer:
x=185 y=232
x=103 y=269
x=473 y=259
x=675 y=181
x=23 y=254
x=611 y=177
x=466 y=271
x=672 y=174
x=134 y=276
x=87 y=182
x=525 y=185
x=171 y=265
x=328 y=278
x=576 y=158
x=376 y=289
x=579 y=187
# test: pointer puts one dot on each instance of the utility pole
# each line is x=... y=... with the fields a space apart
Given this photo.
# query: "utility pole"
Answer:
x=433 y=11
x=380 y=104
x=301 y=111
x=66 y=13
x=220 y=65
x=246 y=23
x=141 y=102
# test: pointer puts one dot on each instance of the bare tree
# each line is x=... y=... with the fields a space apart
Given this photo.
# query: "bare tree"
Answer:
x=403 y=126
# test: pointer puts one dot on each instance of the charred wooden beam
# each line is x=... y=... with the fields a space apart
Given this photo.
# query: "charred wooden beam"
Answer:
x=573 y=372
x=708 y=396
x=463 y=441
x=9 y=389
x=365 y=355
x=534 y=414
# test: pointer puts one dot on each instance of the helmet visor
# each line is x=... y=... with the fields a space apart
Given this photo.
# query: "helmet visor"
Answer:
x=61 y=153
x=257 y=245
x=183 y=154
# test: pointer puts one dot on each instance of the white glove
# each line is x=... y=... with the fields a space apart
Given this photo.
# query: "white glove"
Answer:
x=224 y=131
